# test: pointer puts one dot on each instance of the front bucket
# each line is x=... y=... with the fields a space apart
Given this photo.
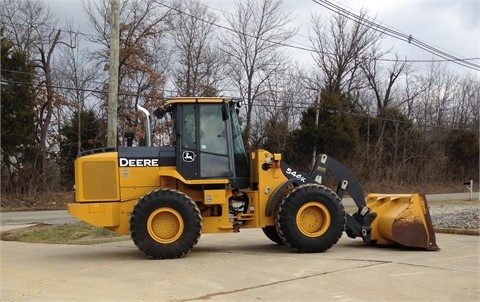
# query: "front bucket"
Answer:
x=402 y=219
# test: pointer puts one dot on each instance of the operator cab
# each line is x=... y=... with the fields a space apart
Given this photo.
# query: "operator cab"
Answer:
x=208 y=140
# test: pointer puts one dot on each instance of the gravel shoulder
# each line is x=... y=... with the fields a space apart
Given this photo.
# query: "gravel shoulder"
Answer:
x=456 y=216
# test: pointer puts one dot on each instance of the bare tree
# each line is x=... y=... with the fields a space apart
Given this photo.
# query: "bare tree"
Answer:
x=279 y=111
x=382 y=82
x=143 y=59
x=340 y=46
x=35 y=31
x=23 y=21
x=258 y=30
x=465 y=103
x=79 y=77
x=199 y=66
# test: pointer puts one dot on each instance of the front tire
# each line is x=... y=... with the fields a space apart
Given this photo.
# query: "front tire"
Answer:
x=310 y=219
x=165 y=224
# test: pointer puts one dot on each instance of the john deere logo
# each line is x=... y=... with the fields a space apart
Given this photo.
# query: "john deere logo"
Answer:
x=188 y=156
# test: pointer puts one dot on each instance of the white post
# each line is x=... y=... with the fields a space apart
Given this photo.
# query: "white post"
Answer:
x=469 y=185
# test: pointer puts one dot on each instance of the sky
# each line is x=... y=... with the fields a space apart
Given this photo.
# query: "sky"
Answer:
x=449 y=25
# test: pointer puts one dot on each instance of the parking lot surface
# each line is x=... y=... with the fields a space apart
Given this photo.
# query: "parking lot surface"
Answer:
x=242 y=267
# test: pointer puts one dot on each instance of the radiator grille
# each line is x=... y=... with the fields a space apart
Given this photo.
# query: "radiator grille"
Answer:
x=100 y=180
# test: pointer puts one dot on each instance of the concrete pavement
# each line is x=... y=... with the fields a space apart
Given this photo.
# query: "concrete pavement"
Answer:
x=242 y=267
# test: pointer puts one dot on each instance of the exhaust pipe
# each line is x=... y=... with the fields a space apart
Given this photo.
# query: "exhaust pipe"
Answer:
x=148 y=125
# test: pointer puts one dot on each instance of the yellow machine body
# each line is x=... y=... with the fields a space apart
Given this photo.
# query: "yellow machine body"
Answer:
x=205 y=182
x=118 y=189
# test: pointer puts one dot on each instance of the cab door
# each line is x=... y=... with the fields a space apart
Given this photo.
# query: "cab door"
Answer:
x=202 y=141
x=187 y=143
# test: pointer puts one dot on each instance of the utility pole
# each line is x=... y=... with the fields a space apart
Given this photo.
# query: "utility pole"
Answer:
x=317 y=114
x=113 y=74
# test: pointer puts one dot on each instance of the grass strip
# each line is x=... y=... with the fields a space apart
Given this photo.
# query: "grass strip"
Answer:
x=68 y=233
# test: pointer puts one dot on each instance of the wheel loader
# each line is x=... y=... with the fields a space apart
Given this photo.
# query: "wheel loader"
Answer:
x=165 y=197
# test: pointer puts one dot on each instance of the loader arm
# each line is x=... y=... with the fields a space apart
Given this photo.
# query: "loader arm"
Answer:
x=359 y=224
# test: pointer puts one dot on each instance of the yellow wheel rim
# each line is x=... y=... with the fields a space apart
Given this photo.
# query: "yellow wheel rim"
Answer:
x=165 y=225
x=313 y=219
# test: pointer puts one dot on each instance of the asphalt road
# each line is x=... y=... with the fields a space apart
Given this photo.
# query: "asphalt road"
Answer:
x=9 y=220
x=32 y=217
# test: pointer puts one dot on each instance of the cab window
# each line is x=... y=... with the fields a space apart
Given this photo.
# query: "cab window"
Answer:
x=213 y=133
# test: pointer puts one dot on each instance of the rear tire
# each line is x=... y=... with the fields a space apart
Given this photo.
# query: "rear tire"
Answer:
x=165 y=224
x=271 y=232
x=310 y=219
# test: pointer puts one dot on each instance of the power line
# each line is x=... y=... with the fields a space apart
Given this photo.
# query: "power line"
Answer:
x=262 y=103
x=352 y=17
x=53 y=29
x=128 y=94
x=456 y=60
x=304 y=48
x=311 y=50
x=396 y=34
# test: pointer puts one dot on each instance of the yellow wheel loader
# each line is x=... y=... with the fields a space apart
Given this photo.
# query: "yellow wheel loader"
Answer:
x=205 y=182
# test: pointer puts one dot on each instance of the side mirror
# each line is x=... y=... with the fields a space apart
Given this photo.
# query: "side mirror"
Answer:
x=159 y=112
x=129 y=136
x=225 y=112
